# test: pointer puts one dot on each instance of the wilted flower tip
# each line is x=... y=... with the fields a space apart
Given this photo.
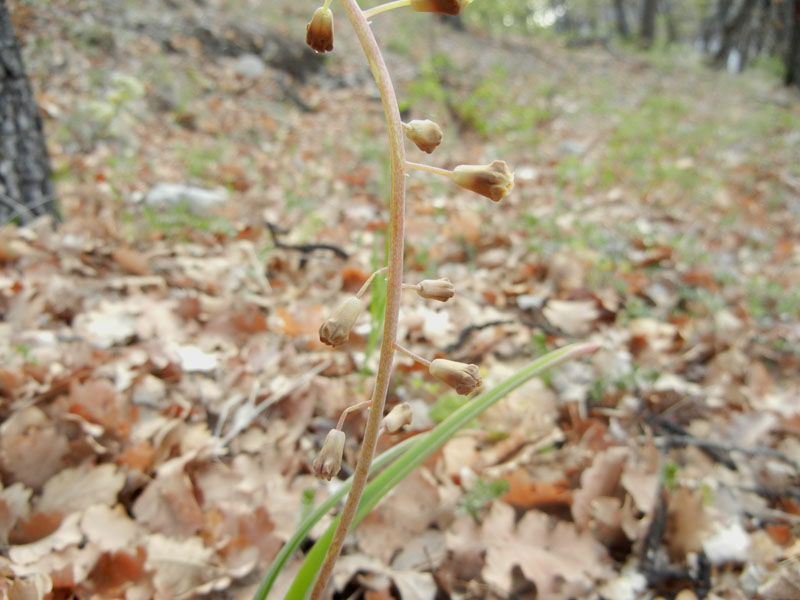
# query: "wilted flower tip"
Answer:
x=426 y=134
x=335 y=331
x=462 y=377
x=443 y=7
x=329 y=460
x=319 y=31
x=436 y=289
x=398 y=417
x=495 y=180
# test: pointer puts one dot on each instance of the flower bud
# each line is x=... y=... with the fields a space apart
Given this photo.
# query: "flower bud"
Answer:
x=336 y=330
x=436 y=289
x=494 y=181
x=398 y=417
x=443 y=7
x=426 y=134
x=329 y=459
x=319 y=31
x=462 y=377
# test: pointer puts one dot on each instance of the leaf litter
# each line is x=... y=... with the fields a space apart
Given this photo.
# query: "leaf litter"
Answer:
x=164 y=391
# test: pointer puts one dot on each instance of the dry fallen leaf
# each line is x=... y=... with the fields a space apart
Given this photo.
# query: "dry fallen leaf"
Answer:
x=558 y=559
x=31 y=447
x=75 y=489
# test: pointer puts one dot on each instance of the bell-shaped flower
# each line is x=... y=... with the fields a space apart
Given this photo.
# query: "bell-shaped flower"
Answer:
x=436 y=289
x=495 y=181
x=329 y=460
x=335 y=331
x=463 y=378
x=443 y=7
x=426 y=134
x=319 y=31
x=398 y=417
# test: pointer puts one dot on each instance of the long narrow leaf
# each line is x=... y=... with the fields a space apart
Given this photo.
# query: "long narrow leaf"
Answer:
x=420 y=450
x=312 y=518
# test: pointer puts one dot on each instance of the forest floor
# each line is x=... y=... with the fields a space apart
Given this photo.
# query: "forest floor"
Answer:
x=163 y=390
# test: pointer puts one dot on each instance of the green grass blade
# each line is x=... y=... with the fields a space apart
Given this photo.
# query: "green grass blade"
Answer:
x=420 y=450
x=308 y=523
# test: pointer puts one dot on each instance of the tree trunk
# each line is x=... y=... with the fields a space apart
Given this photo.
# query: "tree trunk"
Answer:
x=672 y=28
x=792 y=60
x=732 y=30
x=26 y=190
x=647 y=25
x=622 y=21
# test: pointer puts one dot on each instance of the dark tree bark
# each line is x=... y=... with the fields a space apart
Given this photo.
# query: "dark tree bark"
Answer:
x=669 y=17
x=792 y=60
x=734 y=29
x=26 y=189
x=647 y=23
x=622 y=20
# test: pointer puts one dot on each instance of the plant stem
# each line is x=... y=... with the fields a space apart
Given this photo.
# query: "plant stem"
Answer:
x=393 y=287
x=412 y=355
x=368 y=282
x=349 y=409
x=428 y=168
x=376 y=10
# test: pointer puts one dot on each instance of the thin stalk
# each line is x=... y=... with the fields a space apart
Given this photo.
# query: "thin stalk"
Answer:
x=349 y=409
x=428 y=168
x=393 y=288
x=412 y=355
x=368 y=282
x=376 y=10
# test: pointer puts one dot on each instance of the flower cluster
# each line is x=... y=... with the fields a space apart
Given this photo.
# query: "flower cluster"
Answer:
x=494 y=181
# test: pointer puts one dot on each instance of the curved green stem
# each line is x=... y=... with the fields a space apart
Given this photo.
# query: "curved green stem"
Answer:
x=396 y=234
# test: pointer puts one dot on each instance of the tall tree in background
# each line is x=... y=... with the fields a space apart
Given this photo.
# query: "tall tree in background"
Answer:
x=622 y=21
x=734 y=30
x=647 y=23
x=792 y=60
x=26 y=190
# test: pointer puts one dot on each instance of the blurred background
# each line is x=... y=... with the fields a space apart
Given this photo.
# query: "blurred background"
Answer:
x=187 y=191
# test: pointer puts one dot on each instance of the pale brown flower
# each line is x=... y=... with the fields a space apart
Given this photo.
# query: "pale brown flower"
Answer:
x=436 y=289
x=335 y=331
x=398 y=417
x=319 y=31
x=463 y=378
x=426 y=134
x=443 y=7
x=329 y=460
x=495 y=181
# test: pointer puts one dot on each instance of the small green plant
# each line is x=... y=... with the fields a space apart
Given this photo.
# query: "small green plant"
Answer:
x=481 y=494
x=493 y=181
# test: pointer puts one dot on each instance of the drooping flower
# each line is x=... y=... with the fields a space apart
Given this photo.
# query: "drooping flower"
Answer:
x=426 y=134
x=329 y=460
x=443 y=7
x=319 y=31
x=463 y=378
x=495 y=180
x=398 y=417
x=436 y=289
x=335 y=331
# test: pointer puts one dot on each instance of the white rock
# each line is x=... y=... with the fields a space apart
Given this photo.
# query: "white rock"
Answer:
x=199 y=200
x=249 y=65
x=729 y=543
